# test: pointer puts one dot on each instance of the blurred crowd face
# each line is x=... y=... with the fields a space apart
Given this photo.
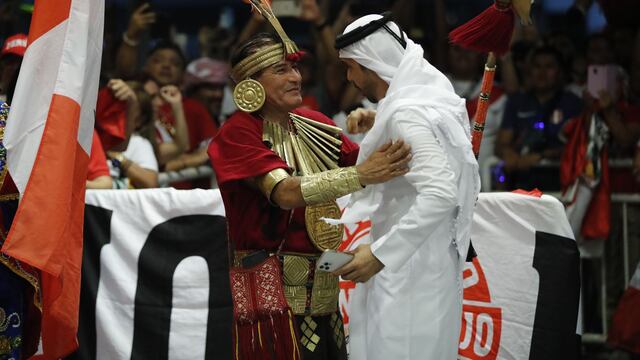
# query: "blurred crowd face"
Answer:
x=282 y=84
x=544 y=73
x=362 y=78
x=165 y=67
x=211 y=96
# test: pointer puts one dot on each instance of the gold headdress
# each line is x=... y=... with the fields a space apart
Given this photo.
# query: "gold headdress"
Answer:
x=249 y=94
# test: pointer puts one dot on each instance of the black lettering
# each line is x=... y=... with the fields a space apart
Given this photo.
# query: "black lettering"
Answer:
x=557 y=261
x=167 y=245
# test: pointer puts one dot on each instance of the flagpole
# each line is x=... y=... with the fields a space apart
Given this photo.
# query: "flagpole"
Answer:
x=483 y=103
x=490 y=32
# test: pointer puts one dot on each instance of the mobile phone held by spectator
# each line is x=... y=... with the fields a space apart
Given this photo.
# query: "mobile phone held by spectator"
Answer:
x=602 y=77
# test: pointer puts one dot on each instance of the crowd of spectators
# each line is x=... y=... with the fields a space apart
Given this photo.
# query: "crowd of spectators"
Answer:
x=166 y=87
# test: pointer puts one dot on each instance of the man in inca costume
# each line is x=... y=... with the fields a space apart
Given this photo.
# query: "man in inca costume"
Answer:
x=280 y=169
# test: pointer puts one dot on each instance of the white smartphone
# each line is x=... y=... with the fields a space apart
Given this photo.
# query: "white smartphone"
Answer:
x=332 y=260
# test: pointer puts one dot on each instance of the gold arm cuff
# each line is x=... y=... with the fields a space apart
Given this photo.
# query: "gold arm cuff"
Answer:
x=268 y=181
x=329 y=185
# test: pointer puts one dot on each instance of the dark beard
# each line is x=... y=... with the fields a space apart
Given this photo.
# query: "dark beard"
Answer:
x=369 y=97
x=373 y=100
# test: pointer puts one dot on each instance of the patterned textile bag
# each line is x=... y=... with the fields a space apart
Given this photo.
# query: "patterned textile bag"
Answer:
x=263 y=323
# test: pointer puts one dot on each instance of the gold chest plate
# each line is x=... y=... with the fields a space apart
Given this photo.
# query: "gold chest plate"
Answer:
x=323 y=235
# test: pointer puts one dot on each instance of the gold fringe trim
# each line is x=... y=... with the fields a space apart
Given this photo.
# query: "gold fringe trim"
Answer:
x=9 y=197
x=12 y=265
x=296 y=350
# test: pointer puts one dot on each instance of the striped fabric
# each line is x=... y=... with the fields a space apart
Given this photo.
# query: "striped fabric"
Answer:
x=48 y=139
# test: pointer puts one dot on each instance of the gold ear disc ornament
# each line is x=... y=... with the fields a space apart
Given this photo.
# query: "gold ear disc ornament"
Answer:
x=249 y=95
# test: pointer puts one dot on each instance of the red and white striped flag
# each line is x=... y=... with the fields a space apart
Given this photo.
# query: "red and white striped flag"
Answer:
x=48 y=138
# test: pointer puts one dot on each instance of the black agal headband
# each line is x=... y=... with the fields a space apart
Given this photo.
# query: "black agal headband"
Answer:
x=363 y=31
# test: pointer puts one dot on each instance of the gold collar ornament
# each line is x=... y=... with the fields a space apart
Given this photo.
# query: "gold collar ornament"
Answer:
x=306 y=145
x=310 y=148
x=249 y=94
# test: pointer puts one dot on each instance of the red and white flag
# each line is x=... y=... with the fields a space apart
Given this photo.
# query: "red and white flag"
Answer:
x=48 y=138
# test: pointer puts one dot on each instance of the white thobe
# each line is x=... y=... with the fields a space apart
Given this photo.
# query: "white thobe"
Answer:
x=412 y=308
x=421 y=222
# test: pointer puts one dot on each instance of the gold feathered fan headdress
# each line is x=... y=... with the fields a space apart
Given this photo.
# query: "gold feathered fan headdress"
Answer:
x=249 y=94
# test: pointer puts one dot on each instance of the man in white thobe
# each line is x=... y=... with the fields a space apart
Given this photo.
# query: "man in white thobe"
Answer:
x=409 y=305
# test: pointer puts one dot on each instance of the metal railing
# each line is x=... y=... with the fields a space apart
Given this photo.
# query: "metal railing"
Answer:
x=486 y=171
x=193 y=173
x=623 y=200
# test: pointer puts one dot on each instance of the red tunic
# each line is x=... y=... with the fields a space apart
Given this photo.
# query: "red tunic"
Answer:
x=238 y=153
x=200 y=126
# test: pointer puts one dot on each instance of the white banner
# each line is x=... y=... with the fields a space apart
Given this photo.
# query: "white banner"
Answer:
x=162 y=288
x=524 y=278
x=521 y=292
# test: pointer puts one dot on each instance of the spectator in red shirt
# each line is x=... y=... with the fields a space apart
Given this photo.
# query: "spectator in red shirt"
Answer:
x=98 y=176
x=133 y=162
x=165 y=66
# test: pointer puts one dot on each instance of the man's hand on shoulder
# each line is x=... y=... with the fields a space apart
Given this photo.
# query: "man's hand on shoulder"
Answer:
x=363 y=266
x=387 y=162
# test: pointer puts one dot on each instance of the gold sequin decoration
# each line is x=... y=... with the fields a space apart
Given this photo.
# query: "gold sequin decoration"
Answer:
x=297 y=285
x=338 y=329
x=308 y=337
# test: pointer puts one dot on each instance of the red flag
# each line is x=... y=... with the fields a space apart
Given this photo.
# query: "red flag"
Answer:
x=48 y=140
x=111 y=119
x=594 y=221
x=625 y=327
